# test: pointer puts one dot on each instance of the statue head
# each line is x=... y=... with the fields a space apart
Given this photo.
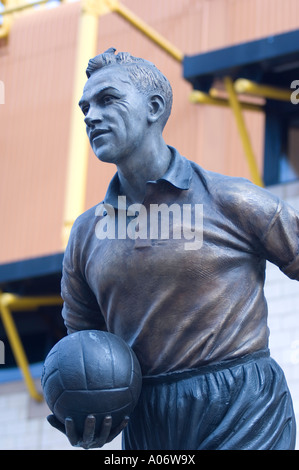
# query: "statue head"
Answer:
x=144 y=75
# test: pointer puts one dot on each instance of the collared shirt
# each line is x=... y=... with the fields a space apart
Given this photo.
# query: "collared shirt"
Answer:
x=180 y=302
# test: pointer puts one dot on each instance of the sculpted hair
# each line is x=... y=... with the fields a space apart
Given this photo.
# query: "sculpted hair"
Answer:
x=145 y=76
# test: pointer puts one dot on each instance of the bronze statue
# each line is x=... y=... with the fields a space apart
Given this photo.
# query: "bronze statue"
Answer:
x=187 y=294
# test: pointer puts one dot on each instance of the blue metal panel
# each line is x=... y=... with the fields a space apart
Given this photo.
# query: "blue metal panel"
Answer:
x=35 y=276
x=272 y=56
x=31 y=268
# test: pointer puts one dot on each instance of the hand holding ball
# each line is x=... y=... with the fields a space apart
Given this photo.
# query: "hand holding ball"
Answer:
x=91 y=382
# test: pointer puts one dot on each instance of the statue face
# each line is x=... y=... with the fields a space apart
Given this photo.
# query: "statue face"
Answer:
x=115 y=114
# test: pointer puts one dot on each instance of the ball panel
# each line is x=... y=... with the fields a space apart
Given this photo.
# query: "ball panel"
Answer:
x=71 y=362
x=100 y=401
x=50 y=364
x=135 y=385
x=97 y=359
x=122 y=360
x=53 y=388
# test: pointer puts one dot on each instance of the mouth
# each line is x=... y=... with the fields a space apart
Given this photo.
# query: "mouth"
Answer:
x=97 y=133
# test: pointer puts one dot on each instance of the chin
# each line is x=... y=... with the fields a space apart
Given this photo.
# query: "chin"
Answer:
x=106 y=158
x=109 y=156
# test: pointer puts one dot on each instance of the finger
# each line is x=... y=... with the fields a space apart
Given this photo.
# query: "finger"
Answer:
x=71 y=432
x=56 y=423
x=118 y=429
x=105 y=431
x=89 y=431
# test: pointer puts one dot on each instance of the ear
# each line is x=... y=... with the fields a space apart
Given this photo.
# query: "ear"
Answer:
x=156 y=108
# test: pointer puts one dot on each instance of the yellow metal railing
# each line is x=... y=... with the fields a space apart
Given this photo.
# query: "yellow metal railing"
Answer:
x=242 y=85
x=197 y=96
x=237 y=107
x=233 y=89
x=11 y=8
x=144 y=28
x=20 y=7
x=11 y=303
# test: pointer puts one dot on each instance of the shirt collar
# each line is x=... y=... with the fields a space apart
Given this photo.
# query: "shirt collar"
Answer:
x=179 y=174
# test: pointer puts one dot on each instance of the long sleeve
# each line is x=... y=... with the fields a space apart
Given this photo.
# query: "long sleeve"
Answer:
x=80 y=309
x=281 y=241
x=271 y=224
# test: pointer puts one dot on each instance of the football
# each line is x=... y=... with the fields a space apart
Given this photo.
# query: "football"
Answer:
x=91 y=372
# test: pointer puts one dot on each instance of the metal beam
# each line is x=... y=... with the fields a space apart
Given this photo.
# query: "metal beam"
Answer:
x=243 y=85
x=237 y=110
x=145 y=29
x=17 y=8
x=204 y=98
x=11 y=7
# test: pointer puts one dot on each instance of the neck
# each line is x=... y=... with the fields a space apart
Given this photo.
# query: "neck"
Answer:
x=149 y=164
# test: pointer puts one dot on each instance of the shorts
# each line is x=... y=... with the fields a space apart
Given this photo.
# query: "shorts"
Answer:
x=244 y=404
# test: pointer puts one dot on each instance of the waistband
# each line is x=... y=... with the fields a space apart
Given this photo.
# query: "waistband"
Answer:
x=205 y=369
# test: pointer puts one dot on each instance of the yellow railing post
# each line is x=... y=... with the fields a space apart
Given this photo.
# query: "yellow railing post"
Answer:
x=78 y=142
x=236 y=108
x=9 y=302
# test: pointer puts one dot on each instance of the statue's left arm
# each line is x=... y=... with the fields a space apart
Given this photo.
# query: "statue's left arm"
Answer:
x=270 y=225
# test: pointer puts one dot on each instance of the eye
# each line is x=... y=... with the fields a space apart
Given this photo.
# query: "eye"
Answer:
x=85 y=109
x=108 y=99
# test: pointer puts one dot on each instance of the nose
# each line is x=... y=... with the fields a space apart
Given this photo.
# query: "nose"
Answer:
x=93 y=117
